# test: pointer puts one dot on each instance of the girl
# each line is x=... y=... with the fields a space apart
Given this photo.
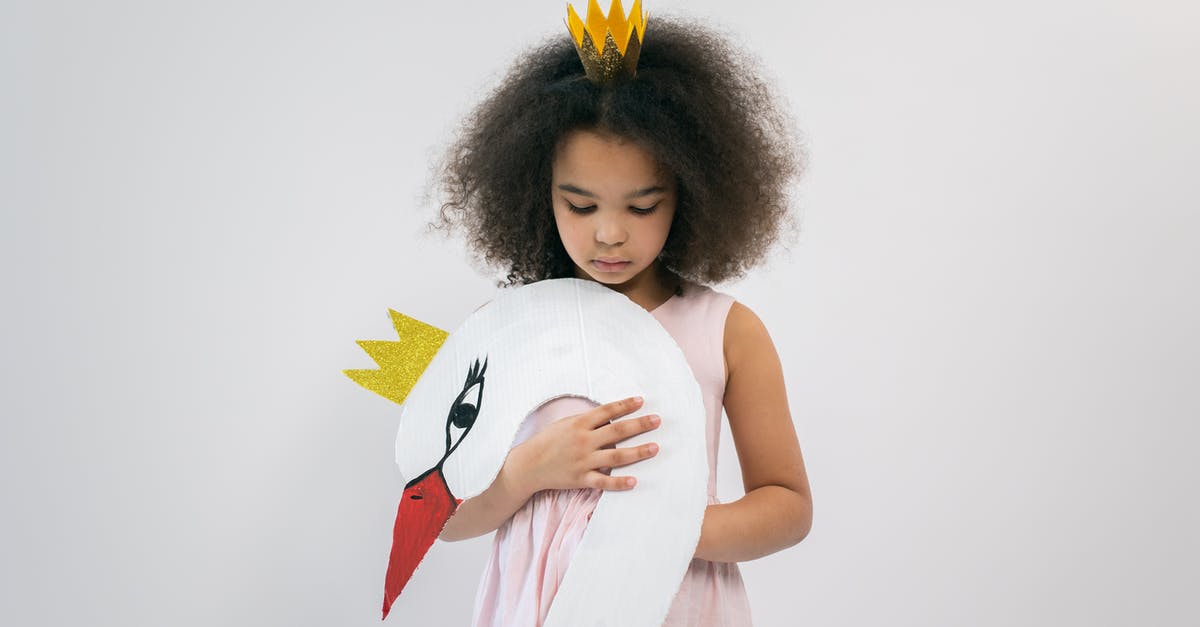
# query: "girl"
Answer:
x=654 y=185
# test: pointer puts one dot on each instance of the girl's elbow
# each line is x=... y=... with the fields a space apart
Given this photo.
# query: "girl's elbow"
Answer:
x=802 y=530
x=804 y=519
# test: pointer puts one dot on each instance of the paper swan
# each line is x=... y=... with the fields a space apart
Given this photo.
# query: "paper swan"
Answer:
x=560 y=337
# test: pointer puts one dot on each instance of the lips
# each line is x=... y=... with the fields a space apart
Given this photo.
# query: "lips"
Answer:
x=610 y=266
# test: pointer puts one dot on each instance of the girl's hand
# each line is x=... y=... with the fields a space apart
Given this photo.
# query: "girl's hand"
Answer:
x=570 y=452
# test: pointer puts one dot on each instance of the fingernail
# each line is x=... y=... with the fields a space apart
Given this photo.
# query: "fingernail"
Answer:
x=655 y=420
x=653 y=448
x=630 y=481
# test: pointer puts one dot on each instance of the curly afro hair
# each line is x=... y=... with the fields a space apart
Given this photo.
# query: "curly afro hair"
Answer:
x=696 y=104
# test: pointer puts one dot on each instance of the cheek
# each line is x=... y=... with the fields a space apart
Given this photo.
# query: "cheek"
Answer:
x=568 y=230
x=663 y=225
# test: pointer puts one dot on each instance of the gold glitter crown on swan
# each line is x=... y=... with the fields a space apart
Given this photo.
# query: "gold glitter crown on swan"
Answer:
x=620 y=40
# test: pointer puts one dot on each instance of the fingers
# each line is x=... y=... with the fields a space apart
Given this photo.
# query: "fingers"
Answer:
x=600 y=415
x=624 y=429
x=616 y=457
x=608 y=433
x=601 y=481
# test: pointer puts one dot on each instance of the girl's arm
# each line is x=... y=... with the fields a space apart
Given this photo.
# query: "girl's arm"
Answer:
x=776 y=511
x=489 y=509
x=565 y=454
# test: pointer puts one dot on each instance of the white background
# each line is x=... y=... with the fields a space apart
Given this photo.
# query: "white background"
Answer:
x=988 y=322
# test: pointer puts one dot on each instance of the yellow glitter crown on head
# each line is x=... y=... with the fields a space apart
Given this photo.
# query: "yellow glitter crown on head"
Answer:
x=620 y=37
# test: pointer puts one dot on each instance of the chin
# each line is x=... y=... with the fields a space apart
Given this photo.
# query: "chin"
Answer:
x=609 y=278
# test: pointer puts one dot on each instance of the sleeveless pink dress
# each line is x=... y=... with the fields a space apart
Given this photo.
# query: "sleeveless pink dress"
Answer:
x=531 y=551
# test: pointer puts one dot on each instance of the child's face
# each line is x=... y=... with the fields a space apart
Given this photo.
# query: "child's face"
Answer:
x=623 y=206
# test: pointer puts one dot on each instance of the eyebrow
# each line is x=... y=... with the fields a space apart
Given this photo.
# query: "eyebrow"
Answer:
x=645 y=191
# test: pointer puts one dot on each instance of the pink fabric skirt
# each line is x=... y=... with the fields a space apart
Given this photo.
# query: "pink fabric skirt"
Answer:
x=531 y=551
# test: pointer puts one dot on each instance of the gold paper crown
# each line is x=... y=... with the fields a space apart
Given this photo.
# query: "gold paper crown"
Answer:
x=621 y=37
x=400 y=363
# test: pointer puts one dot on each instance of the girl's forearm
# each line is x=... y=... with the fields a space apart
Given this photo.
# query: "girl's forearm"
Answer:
x=766 y=520
x=489 y=509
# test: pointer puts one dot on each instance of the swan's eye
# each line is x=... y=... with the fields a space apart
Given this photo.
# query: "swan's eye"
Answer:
x=465 y=408
x=464 y=412
x=463 y=415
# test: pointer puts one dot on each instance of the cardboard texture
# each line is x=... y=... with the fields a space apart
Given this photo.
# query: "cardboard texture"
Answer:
x=568 y=337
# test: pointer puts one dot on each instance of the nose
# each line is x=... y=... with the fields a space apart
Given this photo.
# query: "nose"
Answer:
x=610 y=231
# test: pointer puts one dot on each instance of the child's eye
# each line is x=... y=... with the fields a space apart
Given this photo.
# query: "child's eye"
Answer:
x=638 y=210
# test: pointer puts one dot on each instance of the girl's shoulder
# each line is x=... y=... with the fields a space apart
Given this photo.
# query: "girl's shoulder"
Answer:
x=746 y=345
x=692 y=290
x=714 y=305
x=746 y=340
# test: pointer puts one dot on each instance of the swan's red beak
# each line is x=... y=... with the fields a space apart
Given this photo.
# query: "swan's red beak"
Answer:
x=424 y=509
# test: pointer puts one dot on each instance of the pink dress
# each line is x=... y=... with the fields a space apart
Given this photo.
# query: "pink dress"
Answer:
x=531 y=551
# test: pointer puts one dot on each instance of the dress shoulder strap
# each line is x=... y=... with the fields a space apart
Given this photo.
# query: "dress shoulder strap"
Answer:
x=704 y=311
